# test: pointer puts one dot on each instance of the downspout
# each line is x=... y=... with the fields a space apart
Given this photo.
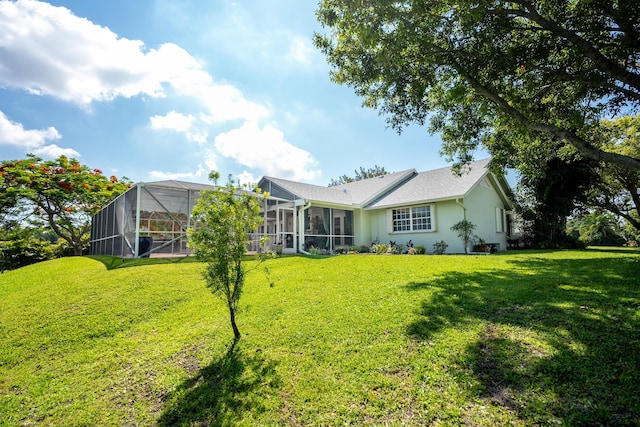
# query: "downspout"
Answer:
x=464 y=210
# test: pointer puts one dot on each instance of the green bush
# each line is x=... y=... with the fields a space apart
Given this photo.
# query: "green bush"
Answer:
x=394 y=248
x=62 y=249
x=361 y=249
x=439 y=247
x=379 y=248
x=19 y=253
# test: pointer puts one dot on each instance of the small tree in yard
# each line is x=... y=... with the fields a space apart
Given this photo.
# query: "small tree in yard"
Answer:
x=225 y=218
x=464 y=229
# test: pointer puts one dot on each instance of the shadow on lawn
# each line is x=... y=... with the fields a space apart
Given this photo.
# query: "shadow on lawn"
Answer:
x=221 y=392
x=112 y=262
x=578 y=355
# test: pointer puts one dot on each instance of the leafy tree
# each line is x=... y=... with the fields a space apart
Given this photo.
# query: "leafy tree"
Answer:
x=524 y=78
x=630 y=233
x=619 y=188
x=359 y=175
x=225 y=218
x=597 y=228
x=464 y=229
x=21 y=246
x=550 y=198
x=61 y=194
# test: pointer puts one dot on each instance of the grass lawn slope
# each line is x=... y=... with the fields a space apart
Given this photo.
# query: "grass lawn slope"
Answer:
x=521 y=338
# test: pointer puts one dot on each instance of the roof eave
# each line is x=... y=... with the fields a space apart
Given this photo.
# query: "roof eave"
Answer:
x=415 y=202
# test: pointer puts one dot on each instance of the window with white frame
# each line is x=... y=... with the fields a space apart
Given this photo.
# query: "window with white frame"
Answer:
x=501 y=219
x=401 y=219
x=418 y=218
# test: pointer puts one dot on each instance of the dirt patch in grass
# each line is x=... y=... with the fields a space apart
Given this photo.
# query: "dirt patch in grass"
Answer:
x=489 y=369
x=187 y=359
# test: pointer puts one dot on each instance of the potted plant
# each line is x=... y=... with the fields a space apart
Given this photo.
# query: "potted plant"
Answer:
x=481 y=245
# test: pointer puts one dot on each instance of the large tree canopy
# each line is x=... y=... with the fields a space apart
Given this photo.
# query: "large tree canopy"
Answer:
x=547 y=200
x=526 y=79
x=61 y=194
x=619 y=188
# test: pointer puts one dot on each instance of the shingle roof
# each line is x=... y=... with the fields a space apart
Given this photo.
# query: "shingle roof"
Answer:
x=433 y=185
x=367 y=190
x=316 y=193
x=355 y=193
x=395 y=189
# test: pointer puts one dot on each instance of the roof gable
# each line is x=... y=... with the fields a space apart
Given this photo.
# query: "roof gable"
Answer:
x=366 y=190
x=434 y=185
x=300 y=190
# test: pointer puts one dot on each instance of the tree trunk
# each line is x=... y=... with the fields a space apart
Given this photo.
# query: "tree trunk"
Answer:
x=232 y=315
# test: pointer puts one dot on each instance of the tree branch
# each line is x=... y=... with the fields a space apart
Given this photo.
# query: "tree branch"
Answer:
x=584 y=147
x=600 y=61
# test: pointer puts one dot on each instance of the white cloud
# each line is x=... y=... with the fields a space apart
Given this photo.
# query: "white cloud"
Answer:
x=172 y=121
x=225 y=102
x=210 y=161
x=47 y=50
x=246 y=178
x=255 y=33
x=300 y=51
x=265 y=149
x=179 y=176
x=181 y=123
x=53 y=151
x=15 y=134
x=202 y=172
x=31 y=140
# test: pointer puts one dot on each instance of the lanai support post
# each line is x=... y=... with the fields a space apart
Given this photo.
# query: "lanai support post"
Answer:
x=136 y=243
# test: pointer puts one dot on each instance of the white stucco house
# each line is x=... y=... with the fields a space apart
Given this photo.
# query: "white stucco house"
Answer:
x=402 y=206
x=152 y=218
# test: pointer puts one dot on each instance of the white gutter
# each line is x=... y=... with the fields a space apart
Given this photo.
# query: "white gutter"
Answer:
x=464 y=210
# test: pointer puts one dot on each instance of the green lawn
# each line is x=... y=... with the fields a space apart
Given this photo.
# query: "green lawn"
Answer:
x=521 y=338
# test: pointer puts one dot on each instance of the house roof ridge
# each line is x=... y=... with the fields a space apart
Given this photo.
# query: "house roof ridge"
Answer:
x=486 y=160
x=353 y=183
x=434 y=185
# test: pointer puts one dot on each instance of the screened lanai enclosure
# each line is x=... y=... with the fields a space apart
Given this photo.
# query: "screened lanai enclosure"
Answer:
x=151 y=219
x=148 y=219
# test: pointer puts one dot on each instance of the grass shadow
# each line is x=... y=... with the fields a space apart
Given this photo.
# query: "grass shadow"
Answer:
x=112 y=262
x=614 y=249
x=222 y=392
x=559 y=340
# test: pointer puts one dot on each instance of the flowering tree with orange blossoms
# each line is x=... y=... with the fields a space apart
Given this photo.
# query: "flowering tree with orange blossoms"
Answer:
x=61 y=194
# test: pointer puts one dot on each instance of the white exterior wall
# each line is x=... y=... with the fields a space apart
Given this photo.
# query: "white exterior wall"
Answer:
x=480 y=204
x=444 y=215
x=362 y=227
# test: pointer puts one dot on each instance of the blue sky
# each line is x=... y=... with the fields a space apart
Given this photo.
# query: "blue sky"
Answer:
x=165 y=89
